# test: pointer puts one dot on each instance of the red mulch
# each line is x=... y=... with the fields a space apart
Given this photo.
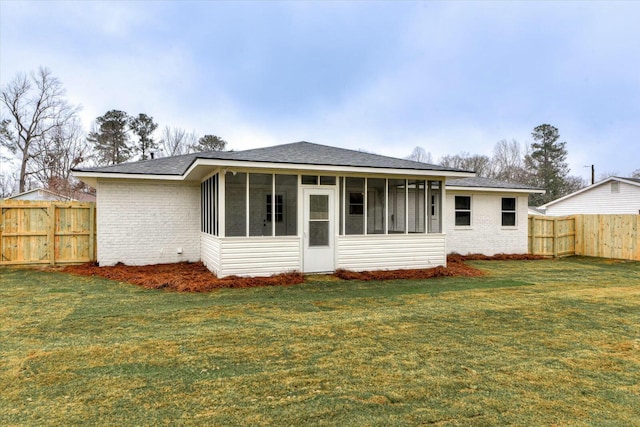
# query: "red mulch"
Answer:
x=455 y=267
x=181 y=277
x=195 y=277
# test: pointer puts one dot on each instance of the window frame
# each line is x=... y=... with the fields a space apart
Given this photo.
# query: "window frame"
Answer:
x=457 y=210
x=513 y=211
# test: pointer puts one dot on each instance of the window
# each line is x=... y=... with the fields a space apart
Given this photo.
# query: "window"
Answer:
x=286 y=209
x=376 y=192
x=277 y=210
x=354 y=201
x=260 y=186
x=463 y=210
x=209 y=205
x=416 y=193
x=356 y=204
x=508 y=211
x=615 y=187
x=253 y=201
x=315 y=180
x=309 y=180
x=235 y=202
x=397 y=205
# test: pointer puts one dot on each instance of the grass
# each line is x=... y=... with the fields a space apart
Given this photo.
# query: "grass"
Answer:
x=531 y=343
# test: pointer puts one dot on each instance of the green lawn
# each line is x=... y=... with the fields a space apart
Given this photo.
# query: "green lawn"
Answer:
x=531 y=343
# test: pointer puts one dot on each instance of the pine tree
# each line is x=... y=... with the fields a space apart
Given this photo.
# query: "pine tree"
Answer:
x=143 y=126
x=111 y=139
x=547 y=164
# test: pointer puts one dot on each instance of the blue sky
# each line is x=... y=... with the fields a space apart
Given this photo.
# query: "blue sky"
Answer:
x=380 y=76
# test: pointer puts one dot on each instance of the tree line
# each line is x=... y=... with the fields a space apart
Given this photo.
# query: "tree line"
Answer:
x=542 y=164
x=42 y=139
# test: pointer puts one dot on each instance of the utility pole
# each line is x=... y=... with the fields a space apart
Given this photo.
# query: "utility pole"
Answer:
x=593 y=174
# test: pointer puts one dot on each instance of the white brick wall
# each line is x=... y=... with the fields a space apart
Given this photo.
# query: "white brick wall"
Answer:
x=145 y=222
x=486 y=234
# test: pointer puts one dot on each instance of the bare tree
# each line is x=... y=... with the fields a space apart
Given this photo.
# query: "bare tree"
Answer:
x=420 y=155
x=7 y=184
x=64 y=149
x=480 y=164
x=508 y=162
x=606 y=174
x=37 y=108
x=176 y=141
x=635 y=173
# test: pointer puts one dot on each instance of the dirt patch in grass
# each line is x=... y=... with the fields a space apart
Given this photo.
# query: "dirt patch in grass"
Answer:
x=195 y=277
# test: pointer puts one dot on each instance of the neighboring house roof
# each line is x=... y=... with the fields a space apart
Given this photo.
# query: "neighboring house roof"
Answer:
x=488 y=184
x=283 y=156
x=535 y=211
x=631 y=181
x=39 y=194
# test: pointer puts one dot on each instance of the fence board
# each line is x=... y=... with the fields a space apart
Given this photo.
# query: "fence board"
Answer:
x=47 y=232
x=606 y=236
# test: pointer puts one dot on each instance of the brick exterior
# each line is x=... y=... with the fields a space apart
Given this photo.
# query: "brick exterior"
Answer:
x=486 y=235
x=145 y=222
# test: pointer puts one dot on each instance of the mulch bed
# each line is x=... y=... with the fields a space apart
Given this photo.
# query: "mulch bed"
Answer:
x=195 y=277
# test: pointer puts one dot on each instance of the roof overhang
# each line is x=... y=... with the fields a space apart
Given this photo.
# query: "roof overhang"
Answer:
x=496 y=189
x=201 y=168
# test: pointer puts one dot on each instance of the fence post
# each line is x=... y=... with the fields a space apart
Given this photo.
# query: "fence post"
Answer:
x=51 y=233
x=92 y=232
x=555 y=237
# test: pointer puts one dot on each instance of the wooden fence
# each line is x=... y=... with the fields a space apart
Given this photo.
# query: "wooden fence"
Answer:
x=47 y=232
x=607 y=236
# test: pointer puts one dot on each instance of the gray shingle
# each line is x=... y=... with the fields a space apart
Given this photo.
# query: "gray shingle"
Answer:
x=479 y=182
x=295 y=153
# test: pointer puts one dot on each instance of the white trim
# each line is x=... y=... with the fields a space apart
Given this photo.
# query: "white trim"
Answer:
x=496 y=190
x=274 y=166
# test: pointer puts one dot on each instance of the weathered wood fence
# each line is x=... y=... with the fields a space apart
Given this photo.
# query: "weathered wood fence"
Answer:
x=607 y=236
x=47 y=232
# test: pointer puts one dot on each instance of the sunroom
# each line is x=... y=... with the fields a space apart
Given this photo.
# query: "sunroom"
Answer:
x=294 y=207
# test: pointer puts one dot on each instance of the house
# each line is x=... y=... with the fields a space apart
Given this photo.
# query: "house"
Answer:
x=486 y=216
x=300 y=206
x=48 y=195
x=613 y=195
x=40 y=194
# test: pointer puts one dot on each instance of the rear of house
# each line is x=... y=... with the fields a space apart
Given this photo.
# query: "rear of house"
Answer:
x=301 y=206
x=487 y=216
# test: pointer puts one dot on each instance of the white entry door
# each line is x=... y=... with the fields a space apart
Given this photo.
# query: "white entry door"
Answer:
x=319 y=227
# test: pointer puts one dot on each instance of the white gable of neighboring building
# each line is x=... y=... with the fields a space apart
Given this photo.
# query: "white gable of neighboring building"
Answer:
x=39 y=194
x=612 y=196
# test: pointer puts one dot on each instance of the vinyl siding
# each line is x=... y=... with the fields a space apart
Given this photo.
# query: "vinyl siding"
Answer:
x=600 y=200
x=210 y=252
x=259 y=256
x=390 y=252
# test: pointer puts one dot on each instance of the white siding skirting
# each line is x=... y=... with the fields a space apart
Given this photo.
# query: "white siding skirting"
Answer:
x=251 y=256
x=391 y=252
x=210 y=252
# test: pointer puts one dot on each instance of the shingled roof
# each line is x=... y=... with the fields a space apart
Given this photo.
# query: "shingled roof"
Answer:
x=480 y=182
x=301 y=153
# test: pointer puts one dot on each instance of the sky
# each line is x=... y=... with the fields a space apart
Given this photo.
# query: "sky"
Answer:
x=384 y=77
